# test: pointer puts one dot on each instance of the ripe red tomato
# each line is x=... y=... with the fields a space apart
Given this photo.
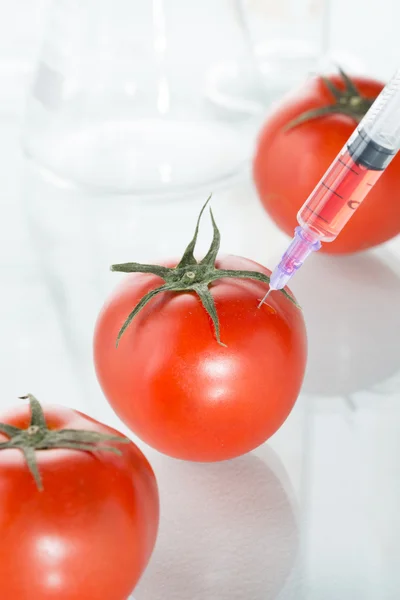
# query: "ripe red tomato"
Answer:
x=288 y=164
x=182 y=392
x=89 y=533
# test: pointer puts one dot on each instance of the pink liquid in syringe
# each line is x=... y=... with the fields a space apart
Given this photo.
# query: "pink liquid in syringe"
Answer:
x=339 y=194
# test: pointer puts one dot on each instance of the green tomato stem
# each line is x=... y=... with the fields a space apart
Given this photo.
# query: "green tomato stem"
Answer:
x=349 y=102
x=37 y=436
x=191 y=276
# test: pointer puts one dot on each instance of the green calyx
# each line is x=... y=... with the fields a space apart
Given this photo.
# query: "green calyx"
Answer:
x=39 y=437
x=349 y=102
x=191 y=276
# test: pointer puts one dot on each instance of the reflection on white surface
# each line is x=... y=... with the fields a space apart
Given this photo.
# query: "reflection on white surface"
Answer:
x=351 y=309
x=228 y=531
x=351 y=527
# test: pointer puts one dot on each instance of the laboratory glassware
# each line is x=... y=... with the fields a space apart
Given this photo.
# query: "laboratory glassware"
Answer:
x=145 y=97
x=290 y=40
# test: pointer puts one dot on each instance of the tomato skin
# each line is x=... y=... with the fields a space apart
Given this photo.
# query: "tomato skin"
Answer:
x=90 y=533
x=289 y=164
x=183 y=393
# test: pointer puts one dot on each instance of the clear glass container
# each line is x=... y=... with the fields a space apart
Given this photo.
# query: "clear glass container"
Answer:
x=290 y=40
x=144 y=97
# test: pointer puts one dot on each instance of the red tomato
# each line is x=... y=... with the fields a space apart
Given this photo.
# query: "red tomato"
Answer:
x=289 y=164
x=182 y=392
x=89 y=533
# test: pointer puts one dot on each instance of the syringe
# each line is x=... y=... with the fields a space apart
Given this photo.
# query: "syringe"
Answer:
x=346 y=183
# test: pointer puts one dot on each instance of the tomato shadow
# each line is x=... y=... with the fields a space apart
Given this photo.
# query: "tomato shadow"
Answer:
x=351 y=310
x=228 y=531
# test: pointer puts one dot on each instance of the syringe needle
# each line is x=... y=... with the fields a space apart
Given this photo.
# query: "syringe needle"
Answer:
x=265 y=297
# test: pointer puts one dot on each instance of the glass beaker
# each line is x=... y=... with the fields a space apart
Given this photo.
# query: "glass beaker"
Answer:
x=290 y=39
x=144 y=97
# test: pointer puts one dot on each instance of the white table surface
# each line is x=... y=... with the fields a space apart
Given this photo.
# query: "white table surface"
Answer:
x=311 y=515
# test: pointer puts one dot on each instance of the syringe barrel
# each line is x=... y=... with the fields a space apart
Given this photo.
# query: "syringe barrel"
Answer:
x=347 y=182
x=381 y=124
x=357 y=167
x=336 y=198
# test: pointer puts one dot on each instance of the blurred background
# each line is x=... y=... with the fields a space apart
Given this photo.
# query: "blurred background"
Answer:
x=117 y=120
